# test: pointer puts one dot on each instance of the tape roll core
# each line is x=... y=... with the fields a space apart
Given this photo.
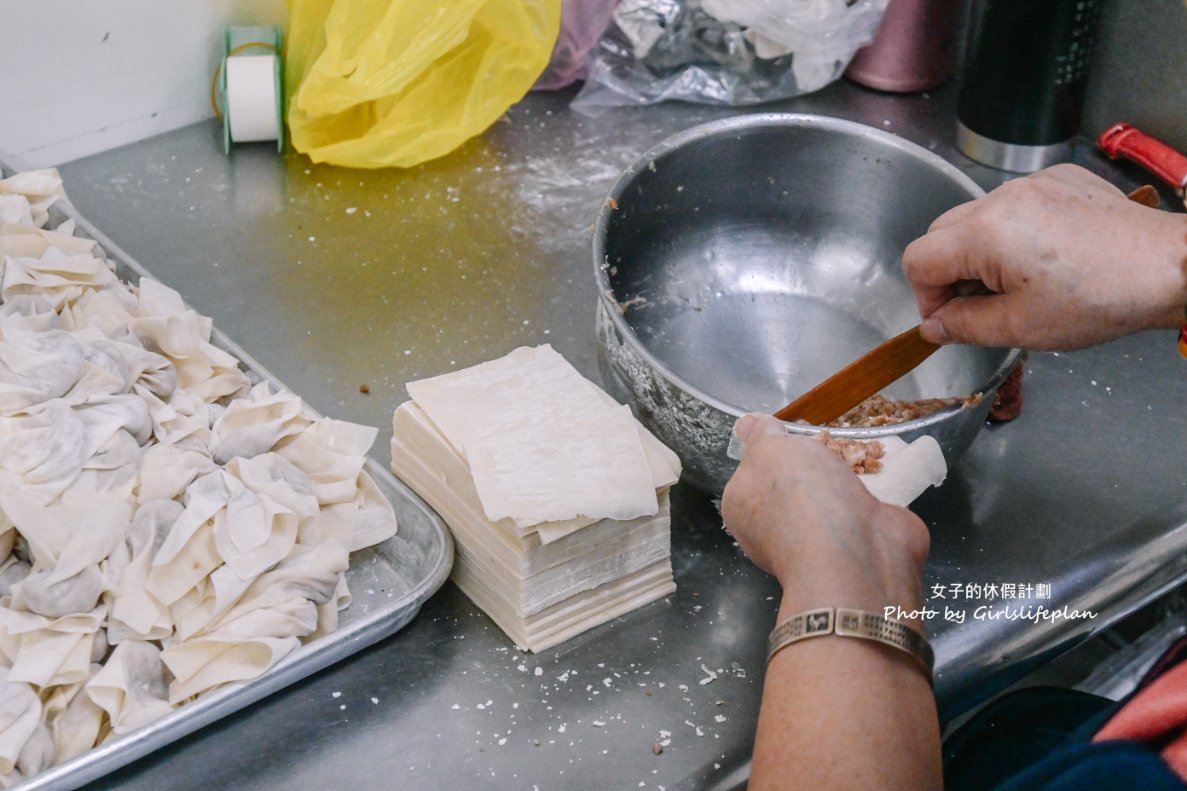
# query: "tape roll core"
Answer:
x=252 y=103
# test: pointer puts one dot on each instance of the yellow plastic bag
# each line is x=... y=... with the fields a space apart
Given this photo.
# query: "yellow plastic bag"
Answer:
x=376 y=83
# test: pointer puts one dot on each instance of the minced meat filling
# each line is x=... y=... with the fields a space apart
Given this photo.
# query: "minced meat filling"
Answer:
x=862 y=456
x=878 y=410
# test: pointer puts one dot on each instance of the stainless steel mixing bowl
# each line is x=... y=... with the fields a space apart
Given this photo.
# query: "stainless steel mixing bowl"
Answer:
x=743 y=261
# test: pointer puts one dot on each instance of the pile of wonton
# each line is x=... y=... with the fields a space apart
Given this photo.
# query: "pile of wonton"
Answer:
x=165 y=526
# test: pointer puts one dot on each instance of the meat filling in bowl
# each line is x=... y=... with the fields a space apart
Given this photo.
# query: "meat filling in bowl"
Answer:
x=878 y=410
x=864 y=457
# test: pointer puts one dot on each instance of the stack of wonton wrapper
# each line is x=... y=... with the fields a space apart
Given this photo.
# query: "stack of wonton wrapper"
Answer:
x=557 y=497
x=166 y=527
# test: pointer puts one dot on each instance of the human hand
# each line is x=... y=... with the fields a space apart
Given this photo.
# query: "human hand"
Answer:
x=1070 y=261
x=836 y=713
x=800 y=514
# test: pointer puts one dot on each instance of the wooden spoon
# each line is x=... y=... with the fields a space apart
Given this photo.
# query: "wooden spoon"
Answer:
x=860 y=379
x=883 y=366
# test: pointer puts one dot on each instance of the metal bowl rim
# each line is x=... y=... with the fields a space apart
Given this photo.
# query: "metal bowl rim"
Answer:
x=726 y=126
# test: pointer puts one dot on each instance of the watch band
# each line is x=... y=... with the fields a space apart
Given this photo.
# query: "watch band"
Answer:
x=852 y=623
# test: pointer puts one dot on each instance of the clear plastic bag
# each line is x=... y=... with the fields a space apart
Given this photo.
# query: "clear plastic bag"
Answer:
x=377 y=83
x=731 y=52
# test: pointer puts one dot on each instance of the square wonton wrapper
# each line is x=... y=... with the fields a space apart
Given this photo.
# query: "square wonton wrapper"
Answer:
x=907 y=469
x=541 y=441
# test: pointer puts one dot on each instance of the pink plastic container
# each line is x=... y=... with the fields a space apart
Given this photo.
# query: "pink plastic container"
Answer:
x=912 y=51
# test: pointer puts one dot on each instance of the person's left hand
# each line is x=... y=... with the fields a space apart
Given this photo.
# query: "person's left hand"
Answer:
x=800 y=514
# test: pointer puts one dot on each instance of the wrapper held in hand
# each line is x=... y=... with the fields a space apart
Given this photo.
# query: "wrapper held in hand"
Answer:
x=907 y=469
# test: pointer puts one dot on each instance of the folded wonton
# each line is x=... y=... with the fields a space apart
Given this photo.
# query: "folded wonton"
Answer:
x=151 y=499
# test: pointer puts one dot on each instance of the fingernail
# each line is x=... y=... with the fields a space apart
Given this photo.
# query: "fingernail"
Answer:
x=744 y=426
x=932 y=330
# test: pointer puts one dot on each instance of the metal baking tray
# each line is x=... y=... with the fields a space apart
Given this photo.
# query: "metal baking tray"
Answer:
x=388 y=582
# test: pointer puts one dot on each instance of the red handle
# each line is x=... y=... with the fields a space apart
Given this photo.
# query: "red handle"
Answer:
x=1123 y=140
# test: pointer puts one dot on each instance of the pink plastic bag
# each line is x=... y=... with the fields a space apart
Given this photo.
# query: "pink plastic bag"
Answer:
x=582 y=23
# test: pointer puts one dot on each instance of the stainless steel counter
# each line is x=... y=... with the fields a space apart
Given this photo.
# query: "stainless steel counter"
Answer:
x=338 y=278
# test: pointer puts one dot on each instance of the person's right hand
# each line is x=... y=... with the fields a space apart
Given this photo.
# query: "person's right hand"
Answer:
x=1070 y=260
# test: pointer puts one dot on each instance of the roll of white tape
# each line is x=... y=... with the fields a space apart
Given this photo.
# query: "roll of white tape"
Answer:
x=253 y=107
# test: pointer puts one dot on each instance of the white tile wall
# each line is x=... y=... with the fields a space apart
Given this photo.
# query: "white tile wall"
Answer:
x=82 y=76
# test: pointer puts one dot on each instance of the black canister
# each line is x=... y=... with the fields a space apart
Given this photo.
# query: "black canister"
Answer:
x=1023 y=81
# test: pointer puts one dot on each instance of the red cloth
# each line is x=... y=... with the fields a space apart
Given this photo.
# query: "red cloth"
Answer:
x=1156 y=715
